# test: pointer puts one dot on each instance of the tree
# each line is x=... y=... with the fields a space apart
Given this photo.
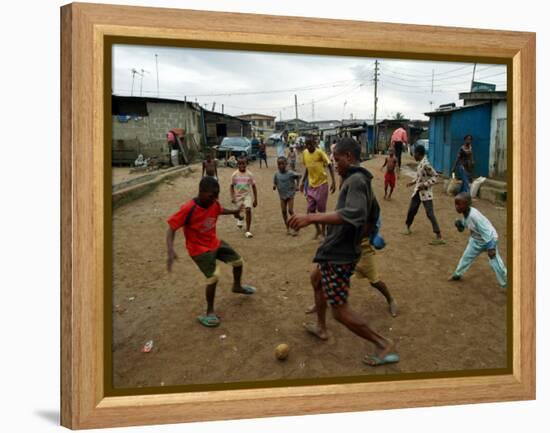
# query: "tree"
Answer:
x=398 y=116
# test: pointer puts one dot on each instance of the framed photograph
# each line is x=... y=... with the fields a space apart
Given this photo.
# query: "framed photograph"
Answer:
x=242 y=233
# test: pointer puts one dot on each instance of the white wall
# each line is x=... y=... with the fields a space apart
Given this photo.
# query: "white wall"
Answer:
x=499 y=111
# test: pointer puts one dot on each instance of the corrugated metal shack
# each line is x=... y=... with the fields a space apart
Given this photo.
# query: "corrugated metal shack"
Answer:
x=484 y=116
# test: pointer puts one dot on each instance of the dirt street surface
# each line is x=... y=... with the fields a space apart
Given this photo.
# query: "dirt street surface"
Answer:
x=441 y=326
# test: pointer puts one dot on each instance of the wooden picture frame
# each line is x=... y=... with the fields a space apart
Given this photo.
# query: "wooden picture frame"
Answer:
x=86 y=207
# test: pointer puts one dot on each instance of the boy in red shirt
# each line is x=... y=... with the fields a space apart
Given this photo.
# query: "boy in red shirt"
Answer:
x=198 y=219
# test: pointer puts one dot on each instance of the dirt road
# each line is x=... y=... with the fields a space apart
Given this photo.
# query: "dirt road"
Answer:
x=442 y=325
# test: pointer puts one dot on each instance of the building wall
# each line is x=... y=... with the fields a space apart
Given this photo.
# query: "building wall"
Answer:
x=147 y=134
x=446 y=135
x=475 y=121
x=439 y=151
x=263 y=123
x=498 y=145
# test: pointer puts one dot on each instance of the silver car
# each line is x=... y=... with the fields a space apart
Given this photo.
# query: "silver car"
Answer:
x=235 y=146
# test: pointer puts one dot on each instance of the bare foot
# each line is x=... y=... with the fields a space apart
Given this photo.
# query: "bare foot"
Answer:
x=393 y=308
x=313 y=329
x=311 y=309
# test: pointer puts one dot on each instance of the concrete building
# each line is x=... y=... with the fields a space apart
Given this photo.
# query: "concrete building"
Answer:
x=326 y=124
x=260 y=122
x=294 y=125
x=140 y=125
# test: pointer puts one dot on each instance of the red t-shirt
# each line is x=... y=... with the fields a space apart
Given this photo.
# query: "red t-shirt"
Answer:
x=200 y=230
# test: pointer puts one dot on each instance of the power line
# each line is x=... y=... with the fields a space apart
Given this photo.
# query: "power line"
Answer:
x=423 y=74
x=436 y=77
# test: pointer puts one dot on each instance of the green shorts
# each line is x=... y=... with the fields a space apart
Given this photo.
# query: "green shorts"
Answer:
x=207 y=261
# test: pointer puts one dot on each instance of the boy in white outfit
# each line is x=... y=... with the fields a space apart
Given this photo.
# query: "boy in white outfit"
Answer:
x=483 y=237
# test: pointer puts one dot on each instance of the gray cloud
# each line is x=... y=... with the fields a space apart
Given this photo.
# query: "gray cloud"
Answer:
x=328 y=87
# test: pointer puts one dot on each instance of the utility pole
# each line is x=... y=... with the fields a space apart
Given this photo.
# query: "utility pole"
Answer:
x=143 y=72
x=312 y=109
x=157 y=63
x=280 y=115
x=222 y=108
x=375 y=126
x=214 y=106
x=296 y=105
x=473 y=77
x=431 y=102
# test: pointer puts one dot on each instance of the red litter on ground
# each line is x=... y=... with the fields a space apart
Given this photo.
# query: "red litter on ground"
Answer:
x=147 y=347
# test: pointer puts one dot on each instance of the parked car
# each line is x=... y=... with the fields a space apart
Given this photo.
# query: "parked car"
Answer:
x=423 y=141
x=235 y=146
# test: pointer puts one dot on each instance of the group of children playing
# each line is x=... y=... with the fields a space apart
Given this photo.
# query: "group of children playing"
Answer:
x=347 y=244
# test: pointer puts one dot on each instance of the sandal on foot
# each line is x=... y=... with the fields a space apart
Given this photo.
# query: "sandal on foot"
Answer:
x=246 y=290
x=437 y=242
x=210 y=321
x=390 y=358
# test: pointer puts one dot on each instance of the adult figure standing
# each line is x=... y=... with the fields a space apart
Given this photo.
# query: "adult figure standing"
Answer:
x=174 y=148
x=464 y=164
x=399 y=139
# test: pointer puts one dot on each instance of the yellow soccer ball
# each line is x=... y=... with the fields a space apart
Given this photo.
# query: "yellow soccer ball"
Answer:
x=281 y=351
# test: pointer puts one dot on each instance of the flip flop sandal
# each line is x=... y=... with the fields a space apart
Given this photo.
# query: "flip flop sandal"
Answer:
x=246 y=290
x=209 y=321
x=390 y=358
x=437 y=242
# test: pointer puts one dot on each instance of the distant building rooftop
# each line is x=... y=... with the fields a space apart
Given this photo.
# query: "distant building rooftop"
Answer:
x=450 y=109
x=469 y=97
x=256 y=115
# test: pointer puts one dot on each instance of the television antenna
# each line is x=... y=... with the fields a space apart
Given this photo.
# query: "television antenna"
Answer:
x=134 y=73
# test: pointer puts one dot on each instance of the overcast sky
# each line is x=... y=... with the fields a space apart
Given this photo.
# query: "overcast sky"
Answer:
x=327 y=87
